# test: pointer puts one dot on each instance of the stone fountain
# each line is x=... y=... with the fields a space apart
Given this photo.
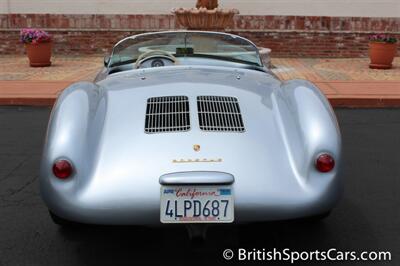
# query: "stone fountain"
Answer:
x=208 y=17
x=205 y=16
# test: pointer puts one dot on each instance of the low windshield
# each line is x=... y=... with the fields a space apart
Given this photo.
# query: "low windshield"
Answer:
x=194 y=44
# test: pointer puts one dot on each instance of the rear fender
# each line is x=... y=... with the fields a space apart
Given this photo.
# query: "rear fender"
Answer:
x=73 y=134
x=308 y=125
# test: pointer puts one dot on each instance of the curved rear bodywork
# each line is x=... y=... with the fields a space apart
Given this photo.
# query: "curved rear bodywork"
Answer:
x=119 y=167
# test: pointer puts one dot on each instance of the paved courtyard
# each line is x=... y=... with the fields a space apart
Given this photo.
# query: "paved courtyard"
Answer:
x=346 y=82
x=75 y=68
x=64 y=68
x=340 y=69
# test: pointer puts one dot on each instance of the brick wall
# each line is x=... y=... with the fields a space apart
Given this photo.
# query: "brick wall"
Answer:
x=287 y=36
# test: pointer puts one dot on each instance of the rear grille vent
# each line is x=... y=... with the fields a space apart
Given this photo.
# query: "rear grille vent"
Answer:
x=217 y=113
x=167 y=114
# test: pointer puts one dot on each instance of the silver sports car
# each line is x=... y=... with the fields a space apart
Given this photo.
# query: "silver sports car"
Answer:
x=189 y=127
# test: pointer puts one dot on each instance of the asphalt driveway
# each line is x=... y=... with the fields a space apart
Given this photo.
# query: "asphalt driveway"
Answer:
x=367 y=219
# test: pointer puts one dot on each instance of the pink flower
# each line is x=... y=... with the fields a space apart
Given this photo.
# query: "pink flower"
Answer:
x=34 y=36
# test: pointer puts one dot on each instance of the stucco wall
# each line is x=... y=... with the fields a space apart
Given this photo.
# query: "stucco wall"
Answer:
x=355 y=8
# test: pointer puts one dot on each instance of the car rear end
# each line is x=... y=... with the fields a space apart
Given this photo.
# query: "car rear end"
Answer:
x=224 y=147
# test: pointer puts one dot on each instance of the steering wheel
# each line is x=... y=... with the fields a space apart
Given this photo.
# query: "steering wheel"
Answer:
x=154 y=53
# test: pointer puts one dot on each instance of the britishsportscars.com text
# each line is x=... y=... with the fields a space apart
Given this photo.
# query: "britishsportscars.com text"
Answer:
x=292 y=256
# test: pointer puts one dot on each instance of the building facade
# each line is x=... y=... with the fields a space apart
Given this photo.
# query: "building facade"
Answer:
x=293 y=28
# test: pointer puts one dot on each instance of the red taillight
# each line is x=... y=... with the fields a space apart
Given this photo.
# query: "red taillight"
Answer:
x=325 y=163
x=62 y=169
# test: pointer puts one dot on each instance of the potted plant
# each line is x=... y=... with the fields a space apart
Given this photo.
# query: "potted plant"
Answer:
x=38 y=45
x=382 y=50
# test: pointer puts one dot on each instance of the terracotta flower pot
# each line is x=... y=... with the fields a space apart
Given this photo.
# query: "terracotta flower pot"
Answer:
x=39 y=54
x=382 y=54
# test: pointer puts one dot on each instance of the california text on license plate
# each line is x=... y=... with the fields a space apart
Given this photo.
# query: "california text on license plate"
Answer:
x=196 y=204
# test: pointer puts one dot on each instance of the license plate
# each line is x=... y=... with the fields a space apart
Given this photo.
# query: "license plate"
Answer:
x=196 y=204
